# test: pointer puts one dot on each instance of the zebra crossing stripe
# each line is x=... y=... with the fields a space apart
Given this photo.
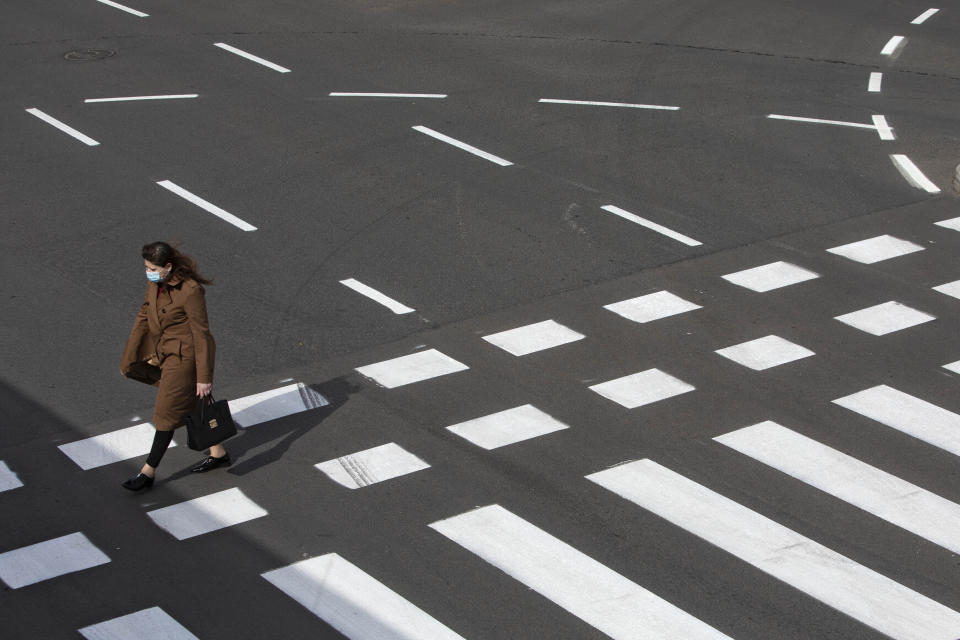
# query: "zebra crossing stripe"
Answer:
x=579 y=584
x=835 y=580
x=8 y=479
x=354 y=603
x=153 y=621
x=374 y=465
x=207 y=513
x=276 y=403
x=906 y=413
x=50 y=559
x=415 y=367
x=111 y=447
x=877 y=492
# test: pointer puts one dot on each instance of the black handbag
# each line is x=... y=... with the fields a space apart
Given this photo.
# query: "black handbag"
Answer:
x=209 y=424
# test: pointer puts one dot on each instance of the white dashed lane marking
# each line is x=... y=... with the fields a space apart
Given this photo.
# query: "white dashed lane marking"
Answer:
x=507 y=427
x=354 y=603
x=876 y=79
x=172 y=96
x=376 y=296
x=45 y=560
x=115 y=5
x=876 y=249
x=598 y=595
x=892 y=45
x=642 y=388
x=111 y=447
x=920 y=19
x=533 y=337
x=653 y=226
x=205 y=514
x=429 y=96
x=627 y=105
x=374 y=465
x=463 y=145
x=912 y=174
x=8 y=479
x=134 y=625
x=85 y=139
x=770 y=276
x=415 y=367
x=877 y=492
x=952 y=223
x=879 y=124
x=207 y=206
x=823 y=574
x=884 y=318
x=904 y=412
x=764 y=353
x=250 y=56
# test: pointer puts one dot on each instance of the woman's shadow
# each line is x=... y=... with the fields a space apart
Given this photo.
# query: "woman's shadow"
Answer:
x=320 y=401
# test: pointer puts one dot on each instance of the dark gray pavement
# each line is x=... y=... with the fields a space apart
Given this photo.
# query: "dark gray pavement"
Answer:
x=345 y=188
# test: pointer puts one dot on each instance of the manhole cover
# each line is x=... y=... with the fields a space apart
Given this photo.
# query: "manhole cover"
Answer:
x=85 y=55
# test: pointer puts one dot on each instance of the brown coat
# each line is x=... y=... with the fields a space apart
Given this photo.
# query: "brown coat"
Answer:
x=174 y=328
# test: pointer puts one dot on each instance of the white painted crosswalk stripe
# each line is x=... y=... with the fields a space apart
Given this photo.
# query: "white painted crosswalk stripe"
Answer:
x=952 y=223
x=909 y=414
x=111 y=447
x=950 y=289
x=275 y=403
x=374 y=465
x=953 y=366
x=153 y=622
x=642 y=388
x=415 y=367
x=873 y=490
x=764 y=353
x=770 y=276
x=885 y=318
x=507 y=427
x=205 y=514
x=354 y=603
x=876 y=249
x=8 y=479
x=569 y=578
x=50 y=559
x=533 y=337
x=831 y=578
x=652 y=306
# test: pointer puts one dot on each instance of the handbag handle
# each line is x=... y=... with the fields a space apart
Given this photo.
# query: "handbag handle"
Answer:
x=205 y=401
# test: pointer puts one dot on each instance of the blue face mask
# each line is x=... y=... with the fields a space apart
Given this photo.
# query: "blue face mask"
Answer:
x=154 y=276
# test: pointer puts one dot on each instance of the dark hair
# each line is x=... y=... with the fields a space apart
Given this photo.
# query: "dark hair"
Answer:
x=184 y=266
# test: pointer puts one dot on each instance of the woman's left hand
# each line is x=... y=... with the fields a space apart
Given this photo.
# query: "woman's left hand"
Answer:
x=203 y=389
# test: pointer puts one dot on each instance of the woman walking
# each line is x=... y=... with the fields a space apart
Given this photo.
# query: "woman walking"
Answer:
x=172 y=336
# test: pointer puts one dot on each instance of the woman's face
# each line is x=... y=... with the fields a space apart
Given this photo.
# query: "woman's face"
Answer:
x=163 y=271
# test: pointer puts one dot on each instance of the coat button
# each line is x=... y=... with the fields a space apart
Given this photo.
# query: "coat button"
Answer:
x=163 y=310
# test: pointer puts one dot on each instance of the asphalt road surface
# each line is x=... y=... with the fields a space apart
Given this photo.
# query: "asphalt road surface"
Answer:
x=539 y=319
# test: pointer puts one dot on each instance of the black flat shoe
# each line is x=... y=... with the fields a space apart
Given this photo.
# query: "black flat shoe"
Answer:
x=211 y=463
x=137 y=482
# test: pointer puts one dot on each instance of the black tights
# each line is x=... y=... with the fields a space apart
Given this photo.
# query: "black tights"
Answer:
x=161 y=440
